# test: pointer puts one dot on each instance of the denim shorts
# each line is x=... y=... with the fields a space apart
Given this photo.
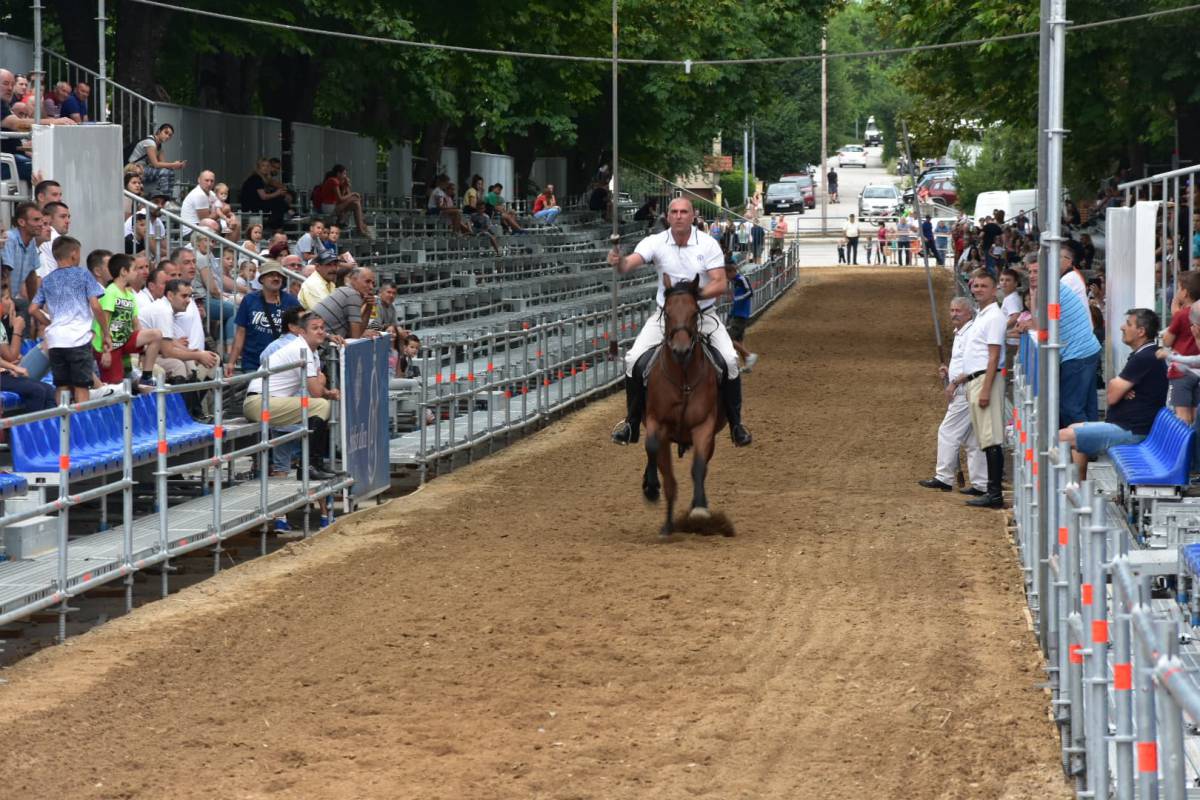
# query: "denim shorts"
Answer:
x=1094 y=438
x=1185 y=391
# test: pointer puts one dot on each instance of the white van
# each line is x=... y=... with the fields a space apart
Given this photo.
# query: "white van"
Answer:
x=1008 y=202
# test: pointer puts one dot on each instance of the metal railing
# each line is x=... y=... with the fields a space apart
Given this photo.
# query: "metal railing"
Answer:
x=1119 y=687
x=1171 y=190
x=125 y=107
x=131 y=559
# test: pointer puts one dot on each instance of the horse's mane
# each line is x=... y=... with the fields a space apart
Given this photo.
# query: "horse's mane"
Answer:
x=684 y=287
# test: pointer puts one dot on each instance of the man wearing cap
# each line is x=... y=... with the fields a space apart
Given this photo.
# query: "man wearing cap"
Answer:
x=348 y=309
x=259 y=319
x=319 y=285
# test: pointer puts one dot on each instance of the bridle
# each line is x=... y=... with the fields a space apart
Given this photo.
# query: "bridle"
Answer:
x=692 y=329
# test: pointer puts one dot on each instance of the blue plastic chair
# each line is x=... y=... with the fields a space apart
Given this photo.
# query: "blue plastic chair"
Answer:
x=11 y=484
x=1161 y=459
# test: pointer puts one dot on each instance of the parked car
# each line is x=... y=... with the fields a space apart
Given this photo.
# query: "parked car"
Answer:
x=942 y=190
x=928 y=176
x=852 y=155
x=784 y=196
x=806 y=184
x=872 y=136
x=879 y=200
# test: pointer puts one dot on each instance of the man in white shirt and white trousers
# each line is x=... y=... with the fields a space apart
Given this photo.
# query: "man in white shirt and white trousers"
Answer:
x=683 y=253
x=956 y=429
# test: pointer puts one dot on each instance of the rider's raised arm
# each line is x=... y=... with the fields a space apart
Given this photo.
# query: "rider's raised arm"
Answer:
x=716 y=284
x=624 y=264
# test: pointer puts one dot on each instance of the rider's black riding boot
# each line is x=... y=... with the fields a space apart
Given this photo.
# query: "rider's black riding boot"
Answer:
x=731 y=395
x=627 y=430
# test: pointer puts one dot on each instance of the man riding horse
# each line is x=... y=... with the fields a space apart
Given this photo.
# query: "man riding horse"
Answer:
x=683 y=253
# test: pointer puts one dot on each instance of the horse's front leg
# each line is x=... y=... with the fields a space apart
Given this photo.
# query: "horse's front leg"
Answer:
x=650 y=485
x=668 y=480
x=703 y=437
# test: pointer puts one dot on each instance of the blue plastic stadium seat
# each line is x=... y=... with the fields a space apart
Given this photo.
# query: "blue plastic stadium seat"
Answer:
x=1191 y=557
x=9 y=401
x=178 y=419
x=1161 y=459
x=11 y=484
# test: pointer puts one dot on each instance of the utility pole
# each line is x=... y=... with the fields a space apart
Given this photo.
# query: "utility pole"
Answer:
x=754 y=150
x=824 y=177
x=614 y=342
x=102 y=65
x=745 y=167
x=38 y=79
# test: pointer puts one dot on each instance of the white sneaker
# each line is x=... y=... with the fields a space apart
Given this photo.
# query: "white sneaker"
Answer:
x=751 y=360
x=105 y=390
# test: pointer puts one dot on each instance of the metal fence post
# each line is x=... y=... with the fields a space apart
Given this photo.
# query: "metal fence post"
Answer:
x=218 y=438
x=127 y=494
x=1123 y=685
x=305 y=489
x=160 y=398
x=1171 y=716
x=264 y=465
x=64 y=492
x=1097 y=735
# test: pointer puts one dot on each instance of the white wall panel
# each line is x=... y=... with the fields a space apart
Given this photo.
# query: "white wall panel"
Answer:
x=86 y=160
x=1130 y=270
x=552 y=169
x=493 y=168
x=399 y=170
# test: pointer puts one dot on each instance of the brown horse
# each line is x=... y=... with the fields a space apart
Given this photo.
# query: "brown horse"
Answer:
x=681 y=402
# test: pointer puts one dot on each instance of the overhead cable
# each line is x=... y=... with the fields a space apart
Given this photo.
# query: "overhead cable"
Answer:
x=687 y=64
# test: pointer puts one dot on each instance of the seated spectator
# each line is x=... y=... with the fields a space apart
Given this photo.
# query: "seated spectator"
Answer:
x=247 y=278
x=260 y=319
x=1177 y=340
x=545 y=207
x=260 y=195
x=75 y=105
x=333 y=198
x=59 y=218
x=21 y=89
x=35 y=394
x=209 y=285
x=599 y=199
x=158 y=173
x=1134 y=397
x=201 y=203
x=406 y=366
x=123 y=334
x=285 y=387
x=72 y=298
x=21 y=253
x=481 y=224
x=157 y=311
x=254 y=239
x=383 y=316
x=494 y=200
x=53 y=102
x=156 y=229
x=310 y=244
x=349 y=308
x=319 y=284
x=441 y=204
x=9 y=121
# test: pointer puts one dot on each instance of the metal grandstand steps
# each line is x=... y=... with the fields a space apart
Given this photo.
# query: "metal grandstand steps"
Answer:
x=99 y=557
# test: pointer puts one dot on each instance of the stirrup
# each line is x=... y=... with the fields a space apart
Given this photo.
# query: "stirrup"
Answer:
x=622 y=434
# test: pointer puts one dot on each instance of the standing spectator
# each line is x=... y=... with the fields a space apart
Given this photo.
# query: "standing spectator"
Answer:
x=545 y=207
x=97 y=264
x=779 y=231
x=903 y=237
x=739 y=312
x=992 y=233
x=1134 y=397
x=349 y=308
x=983 y=358
x=333 y=198
x=319 y=284
x=881 y=243
x=757 y=236
x=260 y=319
x=851 y=231
x=956 y=430
x=72 y=298
x=59 y=218
x=648 y=213
x=285 y=403
x=21 y=254
x=931 y=242
x=832 y=185
x=75 y=105
x=1079 y=353
x=123 y=335
x=158 y=173
x=259 y=195
x=1178 y=338
x=134 y=185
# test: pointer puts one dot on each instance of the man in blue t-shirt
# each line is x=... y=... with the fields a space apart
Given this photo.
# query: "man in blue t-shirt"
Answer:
x=1079 y=353
x=76 y=104
x=259 y=319
x=1134 y=397
x=739 y=311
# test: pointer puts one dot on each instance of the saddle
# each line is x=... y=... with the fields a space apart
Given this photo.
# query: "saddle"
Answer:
x=646 y=363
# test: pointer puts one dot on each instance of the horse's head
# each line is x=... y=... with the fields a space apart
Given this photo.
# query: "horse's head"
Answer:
x=681 y=317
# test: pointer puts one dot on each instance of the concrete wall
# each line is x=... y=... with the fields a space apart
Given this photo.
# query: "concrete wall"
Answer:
x=86 y=160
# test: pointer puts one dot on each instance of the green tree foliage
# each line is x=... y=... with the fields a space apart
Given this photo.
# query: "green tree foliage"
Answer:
x=1007 y=160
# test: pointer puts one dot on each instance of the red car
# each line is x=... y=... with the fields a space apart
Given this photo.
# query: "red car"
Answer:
x=939 y=190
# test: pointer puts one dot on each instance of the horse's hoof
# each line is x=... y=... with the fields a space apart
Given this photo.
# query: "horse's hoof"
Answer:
x=699 y=512
x=666 y=530
x=650 y=492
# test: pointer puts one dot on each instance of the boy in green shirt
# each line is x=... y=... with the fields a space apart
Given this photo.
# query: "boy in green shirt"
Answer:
x=125 y=330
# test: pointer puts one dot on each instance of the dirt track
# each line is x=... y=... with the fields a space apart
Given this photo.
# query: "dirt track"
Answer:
x=517 y=629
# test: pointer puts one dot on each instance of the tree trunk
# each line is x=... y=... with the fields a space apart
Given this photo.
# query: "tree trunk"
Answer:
x=78 y=21
x=432 y=139
x=140 y=35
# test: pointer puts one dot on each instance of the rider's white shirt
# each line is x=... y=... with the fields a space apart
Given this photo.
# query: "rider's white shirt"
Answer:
x=697 y=257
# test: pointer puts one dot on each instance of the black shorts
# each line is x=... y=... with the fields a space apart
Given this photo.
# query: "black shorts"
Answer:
x=73 y=366
x=737 y=328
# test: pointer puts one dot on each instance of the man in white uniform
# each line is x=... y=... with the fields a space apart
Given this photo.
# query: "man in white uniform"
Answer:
x=983 y=360
x=683 y=253
x=955 y=430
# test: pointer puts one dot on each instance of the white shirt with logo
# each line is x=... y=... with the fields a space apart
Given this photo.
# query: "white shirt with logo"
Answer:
x=696 y=258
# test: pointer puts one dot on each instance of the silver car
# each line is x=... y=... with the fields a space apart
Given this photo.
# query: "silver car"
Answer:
x=879 y=200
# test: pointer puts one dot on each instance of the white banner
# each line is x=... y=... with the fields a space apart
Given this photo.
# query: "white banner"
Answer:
x=1129 y=270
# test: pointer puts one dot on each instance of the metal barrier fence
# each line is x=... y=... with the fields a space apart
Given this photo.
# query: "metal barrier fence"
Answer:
x=1177 y=190
x=475 y=390
x=1119 y=687
x=26 y=586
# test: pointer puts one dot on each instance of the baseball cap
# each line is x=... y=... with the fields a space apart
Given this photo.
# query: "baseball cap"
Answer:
x=327 y=257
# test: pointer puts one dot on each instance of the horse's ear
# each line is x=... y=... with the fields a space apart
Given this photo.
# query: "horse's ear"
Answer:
x=666 y=281
x=696 y=285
